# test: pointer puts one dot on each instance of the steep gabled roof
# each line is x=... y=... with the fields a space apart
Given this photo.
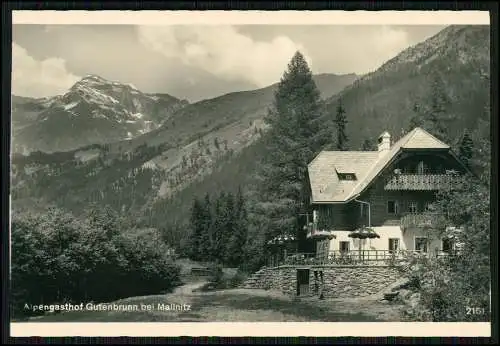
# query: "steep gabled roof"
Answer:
x=323 y=169
x=367 y=165
x=420 y=139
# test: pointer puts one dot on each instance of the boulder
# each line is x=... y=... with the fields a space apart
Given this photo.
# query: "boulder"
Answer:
x=405 y=294
x=390 y=295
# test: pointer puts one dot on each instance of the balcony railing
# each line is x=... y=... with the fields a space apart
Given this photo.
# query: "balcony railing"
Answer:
x=357 y=257
x=421 y=220
x=424 y=182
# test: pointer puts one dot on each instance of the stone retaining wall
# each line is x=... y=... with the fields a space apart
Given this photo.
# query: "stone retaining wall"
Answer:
x=339 y=281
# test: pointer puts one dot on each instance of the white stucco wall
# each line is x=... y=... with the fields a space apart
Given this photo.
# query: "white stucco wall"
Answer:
x=406 y=239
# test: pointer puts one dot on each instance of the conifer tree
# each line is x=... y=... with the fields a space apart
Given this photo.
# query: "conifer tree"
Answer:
x=296 y=135
x=481 y=137
x=340 y=124
x=238 y=237
x=207 y=228
x=197 y=229
x=433 y=116
x=466 y=148
x=218 y=229
x=367 y=145
x=229 y=224
x=438 y=110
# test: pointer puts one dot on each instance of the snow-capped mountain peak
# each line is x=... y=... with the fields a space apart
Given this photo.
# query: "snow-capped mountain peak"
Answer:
x=99 y=105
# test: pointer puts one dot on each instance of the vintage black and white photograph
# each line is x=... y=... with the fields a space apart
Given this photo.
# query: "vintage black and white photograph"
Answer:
x=250 y=173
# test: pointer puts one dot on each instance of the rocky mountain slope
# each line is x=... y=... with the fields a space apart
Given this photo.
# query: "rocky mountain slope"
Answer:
x=458 y=55
x=94 y=110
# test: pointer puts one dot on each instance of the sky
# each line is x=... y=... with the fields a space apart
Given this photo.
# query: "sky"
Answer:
x=195 y=62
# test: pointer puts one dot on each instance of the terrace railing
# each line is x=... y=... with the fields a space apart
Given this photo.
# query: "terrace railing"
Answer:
x=300 y=258
x=357 y=257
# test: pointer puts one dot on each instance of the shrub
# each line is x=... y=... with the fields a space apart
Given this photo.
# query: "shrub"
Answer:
x=445 y=292
x=57 y=258
x=452 y=288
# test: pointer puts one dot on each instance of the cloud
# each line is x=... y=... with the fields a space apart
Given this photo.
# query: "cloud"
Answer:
x=34 y=78
x=391 y=42
x=223 y=51
x=359 y=49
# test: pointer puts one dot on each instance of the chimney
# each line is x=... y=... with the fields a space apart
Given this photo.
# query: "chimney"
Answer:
x=384 y=143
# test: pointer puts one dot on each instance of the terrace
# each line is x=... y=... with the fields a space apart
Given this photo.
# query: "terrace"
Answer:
x=355 y=258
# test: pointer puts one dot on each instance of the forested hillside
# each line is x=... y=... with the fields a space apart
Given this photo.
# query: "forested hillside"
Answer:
x=217 y=144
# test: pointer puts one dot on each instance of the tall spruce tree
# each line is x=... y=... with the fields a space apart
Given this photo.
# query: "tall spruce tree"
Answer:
x=481 y=136
x=207 y=229
x=367 y=145
x=433 y=115
x=229 y=224
x=438 y=110
x=238 y=238
x=218 y=229
x=197 y=229
x=296 y=135
x=340 y=124
x=417 y=119
x=466 y=148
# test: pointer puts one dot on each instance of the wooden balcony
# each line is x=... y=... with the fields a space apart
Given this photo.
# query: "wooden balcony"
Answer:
x=421 y=220
x=421 y=182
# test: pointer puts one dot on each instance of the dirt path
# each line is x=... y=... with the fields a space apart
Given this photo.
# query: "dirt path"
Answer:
x=188 y=288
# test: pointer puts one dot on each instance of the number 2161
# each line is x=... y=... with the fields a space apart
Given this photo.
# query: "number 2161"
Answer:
x=474 y=311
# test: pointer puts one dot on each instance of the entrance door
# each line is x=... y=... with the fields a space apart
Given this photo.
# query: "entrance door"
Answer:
x=421 y=244
x=447 y=245
x=344 y=247
x=302 y=282
x=393 y=245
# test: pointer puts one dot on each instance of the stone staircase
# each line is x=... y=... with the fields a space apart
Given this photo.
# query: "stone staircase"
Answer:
x=256 y=280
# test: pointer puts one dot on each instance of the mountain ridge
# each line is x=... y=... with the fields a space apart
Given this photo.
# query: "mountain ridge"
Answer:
x=190 y=144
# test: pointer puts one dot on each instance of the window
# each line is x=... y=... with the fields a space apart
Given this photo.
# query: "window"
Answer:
x=427 y=206
x=363 y=210
x=422 y=168
x=446 y=245
x=421 y=244
x=392 y=207
x=347 y=176
x=409 y=168
x=315 y=216
x=412 y=207
x=393 y=244
x=344 y=246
